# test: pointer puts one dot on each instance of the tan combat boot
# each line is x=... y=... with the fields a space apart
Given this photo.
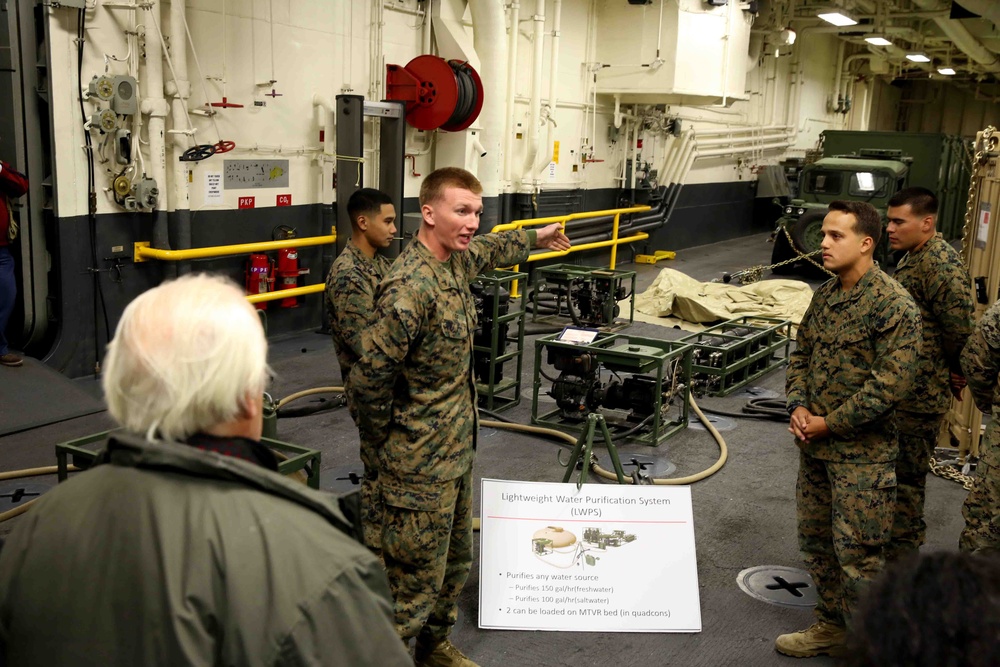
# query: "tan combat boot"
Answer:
x=440 y=655
x=818 y=639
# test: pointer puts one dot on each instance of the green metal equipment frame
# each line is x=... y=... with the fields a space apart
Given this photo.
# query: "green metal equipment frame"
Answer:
x=297 y=458
x=666 y=362
x=567 y=274
x=736 y=352
x=503 y=394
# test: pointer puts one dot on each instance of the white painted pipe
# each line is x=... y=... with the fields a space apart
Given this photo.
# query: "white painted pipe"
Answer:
x=635 y=153
x=683 y=163
x=719 y=152
x=668 y=148
x=739 y=130
x=674 y=163
x=963 y=39
x=508 y=146
x=425 y=37
x=535 y=111
x=618 y=110
x=326 y=124
x=838 y=75
x=726 y=141
x=181 y=90
x=688 y=164
x=488 y=41
x=546 y=156
x=155 y=105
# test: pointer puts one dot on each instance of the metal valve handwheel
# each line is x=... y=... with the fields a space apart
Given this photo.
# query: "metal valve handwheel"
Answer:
x=198 y=153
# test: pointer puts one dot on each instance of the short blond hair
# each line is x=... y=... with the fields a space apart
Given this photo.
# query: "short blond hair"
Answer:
x=438 y=180
x=185 y=356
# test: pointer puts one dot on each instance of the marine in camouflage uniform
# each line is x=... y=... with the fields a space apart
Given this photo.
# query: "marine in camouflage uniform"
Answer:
x=981 y=363
x=351 y=284
x=855 y=355
x=936 y=278
x=415 y=382
x=350 y=300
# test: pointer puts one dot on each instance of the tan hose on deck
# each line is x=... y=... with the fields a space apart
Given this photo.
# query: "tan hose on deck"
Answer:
x=690 y=479
x=308 y=392
x=32 y=472
x=28 y=472
x=598 y=470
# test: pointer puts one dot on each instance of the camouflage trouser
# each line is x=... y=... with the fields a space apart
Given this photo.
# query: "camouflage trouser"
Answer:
x=427 y=549
x=844 y=515
x=918 y=435
x=982 y=512
x=371 y=512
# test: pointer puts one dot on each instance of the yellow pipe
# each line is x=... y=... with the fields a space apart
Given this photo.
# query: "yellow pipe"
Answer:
x=143 y=252
x=286 y=293
x=563 y=219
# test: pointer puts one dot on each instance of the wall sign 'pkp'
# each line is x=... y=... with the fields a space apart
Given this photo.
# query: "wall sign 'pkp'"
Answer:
x=246 y=202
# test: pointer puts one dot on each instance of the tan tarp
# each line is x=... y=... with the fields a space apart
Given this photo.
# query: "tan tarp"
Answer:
x=678 y=300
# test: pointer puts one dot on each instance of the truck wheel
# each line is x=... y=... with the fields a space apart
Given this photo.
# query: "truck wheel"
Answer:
x=782 y=251
x=807 y=232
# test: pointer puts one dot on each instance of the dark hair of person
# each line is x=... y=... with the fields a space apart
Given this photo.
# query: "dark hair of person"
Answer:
x=438 y=180
x=932 y=610
x=367 y=202
x=921 y=201
x=867 y=220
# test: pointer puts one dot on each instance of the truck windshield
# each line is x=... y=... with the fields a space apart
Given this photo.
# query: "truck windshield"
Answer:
x=868 y=184
x=823 y=182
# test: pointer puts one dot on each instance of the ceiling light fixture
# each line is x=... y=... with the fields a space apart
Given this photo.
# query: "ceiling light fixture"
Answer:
x=947 y=71
x=878 y=40
x=918 y=57
x=836 y=16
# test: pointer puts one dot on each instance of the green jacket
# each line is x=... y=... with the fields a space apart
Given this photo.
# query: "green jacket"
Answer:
x=939 y=284
x=981 y=364
x=169 y=555
x=854 y=360
x=414 y=383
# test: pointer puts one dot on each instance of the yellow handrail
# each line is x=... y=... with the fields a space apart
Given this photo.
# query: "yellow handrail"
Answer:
x=614 y=242
x=285 y=293
x=143 y=252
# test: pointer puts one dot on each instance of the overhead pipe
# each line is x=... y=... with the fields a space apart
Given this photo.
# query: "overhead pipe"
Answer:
x=740 y=130
x=546 y=156
x=512 y=39
x=155 y=105
x=963 y=39
x=488 y=33
x=744 y=148
x=535 y=109
x=838 y=100
x=180 y=88
x=725 y=141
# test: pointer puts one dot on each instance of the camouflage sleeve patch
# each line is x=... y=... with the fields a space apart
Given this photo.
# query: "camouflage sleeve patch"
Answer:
x=396 y=327
x=352 y=303
x=489 y=251
x=949 y=293
x=897 y=349
x=798 y=361
x=981 y=359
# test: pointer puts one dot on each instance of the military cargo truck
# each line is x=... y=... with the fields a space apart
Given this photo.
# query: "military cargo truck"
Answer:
x=872 y=167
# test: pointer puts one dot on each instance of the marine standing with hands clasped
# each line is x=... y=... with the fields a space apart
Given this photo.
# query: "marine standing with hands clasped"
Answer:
x=981 y=363
x=855 y=354
x=418 y=395
x=934 y=275
x=350 y=300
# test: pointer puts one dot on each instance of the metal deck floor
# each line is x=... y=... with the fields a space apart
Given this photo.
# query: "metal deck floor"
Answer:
x=744 y=514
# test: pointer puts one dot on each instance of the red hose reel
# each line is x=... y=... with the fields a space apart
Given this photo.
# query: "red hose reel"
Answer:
x=439 y=93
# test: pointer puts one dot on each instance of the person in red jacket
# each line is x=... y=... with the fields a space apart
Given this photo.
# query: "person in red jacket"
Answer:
x=12 y=184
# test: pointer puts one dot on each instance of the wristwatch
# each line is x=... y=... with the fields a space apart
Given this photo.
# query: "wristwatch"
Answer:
x=793 y=405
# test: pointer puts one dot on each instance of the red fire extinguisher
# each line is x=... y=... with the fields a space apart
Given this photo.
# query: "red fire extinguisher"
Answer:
x=259 y=276
x=287 y=271
x=288 y=274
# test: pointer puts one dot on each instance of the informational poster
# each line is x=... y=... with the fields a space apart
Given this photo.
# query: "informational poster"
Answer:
x=983 y=228
x=246 y=174
x=213 y=188
x=601 y=558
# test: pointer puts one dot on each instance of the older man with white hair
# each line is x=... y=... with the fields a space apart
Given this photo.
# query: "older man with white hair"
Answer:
x=184 y=546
